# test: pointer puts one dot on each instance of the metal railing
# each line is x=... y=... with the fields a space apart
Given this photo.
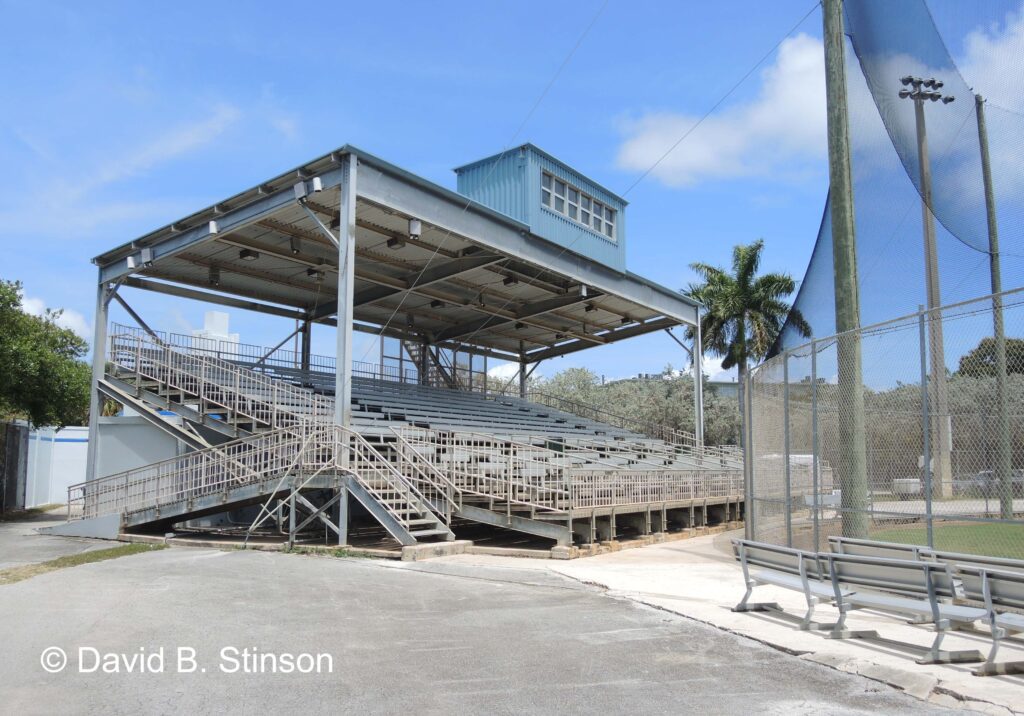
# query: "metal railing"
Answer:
x=241 y=393
x=941 y=453
x=267 y=458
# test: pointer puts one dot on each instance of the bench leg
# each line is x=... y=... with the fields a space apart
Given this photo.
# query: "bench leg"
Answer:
x=746 y=606
x=839 y=630
x=808 y=623
x=936 y=655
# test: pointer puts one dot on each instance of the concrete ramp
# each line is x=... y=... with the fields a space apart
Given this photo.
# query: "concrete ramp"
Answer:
x=104 y=527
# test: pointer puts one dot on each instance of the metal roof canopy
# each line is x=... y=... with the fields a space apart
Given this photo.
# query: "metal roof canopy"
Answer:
x=475 y=279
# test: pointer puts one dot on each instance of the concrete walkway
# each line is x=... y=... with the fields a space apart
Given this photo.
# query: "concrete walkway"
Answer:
x=699 y=579
x=20 y=544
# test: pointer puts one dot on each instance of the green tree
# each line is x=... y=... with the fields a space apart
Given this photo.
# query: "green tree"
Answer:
x=43 y=377
x=981 y=361
x=744 y=312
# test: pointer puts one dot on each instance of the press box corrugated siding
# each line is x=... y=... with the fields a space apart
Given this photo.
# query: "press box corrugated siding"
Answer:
x=510 y=183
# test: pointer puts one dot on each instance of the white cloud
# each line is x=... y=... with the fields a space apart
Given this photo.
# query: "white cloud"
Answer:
x=503 y=371
x=288 y=126
x=991 y=61
x=173 y=143
x=713 y=369
x=68 y=319
x=69 y=203
x=780 y=133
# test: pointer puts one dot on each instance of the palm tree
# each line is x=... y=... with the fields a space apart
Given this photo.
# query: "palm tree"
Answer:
x=744 y=312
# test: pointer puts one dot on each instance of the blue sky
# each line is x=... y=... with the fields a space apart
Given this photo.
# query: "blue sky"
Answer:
x=117 y=118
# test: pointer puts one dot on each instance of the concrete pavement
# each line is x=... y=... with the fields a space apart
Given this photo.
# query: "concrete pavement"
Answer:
x=418 y=637
x=699 y=579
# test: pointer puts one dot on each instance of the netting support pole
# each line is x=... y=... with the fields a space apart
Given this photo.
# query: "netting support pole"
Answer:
x=851 y=466
x=1004 y=446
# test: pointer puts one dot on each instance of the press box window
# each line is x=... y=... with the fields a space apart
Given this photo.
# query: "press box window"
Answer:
x=577 y=206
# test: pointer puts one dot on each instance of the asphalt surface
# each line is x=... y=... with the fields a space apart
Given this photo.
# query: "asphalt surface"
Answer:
x=413 y=637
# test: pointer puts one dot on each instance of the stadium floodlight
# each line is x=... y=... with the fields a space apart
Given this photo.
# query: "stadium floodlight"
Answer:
x=938 y=464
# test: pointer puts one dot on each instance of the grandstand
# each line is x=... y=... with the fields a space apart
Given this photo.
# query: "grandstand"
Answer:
x=237 y=434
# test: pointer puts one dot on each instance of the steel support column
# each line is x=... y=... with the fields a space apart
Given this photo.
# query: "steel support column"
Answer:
x=99 y=361
x=346 y=285
x=306 y=341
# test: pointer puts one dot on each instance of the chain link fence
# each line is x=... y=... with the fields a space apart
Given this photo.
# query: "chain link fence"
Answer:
x=935 y=456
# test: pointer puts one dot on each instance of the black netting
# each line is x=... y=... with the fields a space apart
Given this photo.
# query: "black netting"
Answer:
x=889 y=39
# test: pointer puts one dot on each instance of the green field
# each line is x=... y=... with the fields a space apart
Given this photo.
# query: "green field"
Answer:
x=994 y=540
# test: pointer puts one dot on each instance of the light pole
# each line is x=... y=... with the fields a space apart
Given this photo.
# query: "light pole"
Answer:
x=921 y=91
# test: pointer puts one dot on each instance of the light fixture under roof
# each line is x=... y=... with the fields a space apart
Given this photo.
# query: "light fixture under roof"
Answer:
x=248 y=255
x=214 y=275
x=294 y=244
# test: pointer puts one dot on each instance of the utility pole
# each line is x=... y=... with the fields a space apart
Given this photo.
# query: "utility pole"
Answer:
x=921 y=91
x=852 y=465
x=1004 y=447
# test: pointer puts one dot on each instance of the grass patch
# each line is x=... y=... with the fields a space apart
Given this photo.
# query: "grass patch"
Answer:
x=17 y=574
x=993 y=540
x=17 y=515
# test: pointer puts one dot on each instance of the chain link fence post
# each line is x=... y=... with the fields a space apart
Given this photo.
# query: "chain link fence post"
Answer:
x=815 y=460
x=787 y=478
x=926 y=456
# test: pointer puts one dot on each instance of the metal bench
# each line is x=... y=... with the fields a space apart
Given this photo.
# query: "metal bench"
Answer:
x=957 y=559
x=906 y=588
x=873 y=548
x=1000 y=591
x=766 y=564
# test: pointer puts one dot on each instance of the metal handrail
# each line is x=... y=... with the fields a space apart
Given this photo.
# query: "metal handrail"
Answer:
x=439 y=482
x=252 y=459
x=244 y=393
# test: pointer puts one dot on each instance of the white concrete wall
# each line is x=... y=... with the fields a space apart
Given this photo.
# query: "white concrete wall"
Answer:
x=56 y=460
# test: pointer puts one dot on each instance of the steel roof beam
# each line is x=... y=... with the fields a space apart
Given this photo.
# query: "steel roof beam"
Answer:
x=530 y=310
x=414 y=281
x=609 y=337
x=173 y=243
x=209 y=297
